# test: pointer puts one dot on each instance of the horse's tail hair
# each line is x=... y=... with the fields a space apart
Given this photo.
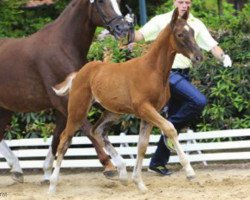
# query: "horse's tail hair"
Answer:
x=63 y=88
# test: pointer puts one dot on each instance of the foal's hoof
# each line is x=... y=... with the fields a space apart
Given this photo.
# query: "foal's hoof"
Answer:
x=124 y=181
x=45 y=182
x=190 y=173
x=17 y=177
x=110 y=174
x=52 y=190
x=143 y=188
x=191 y=177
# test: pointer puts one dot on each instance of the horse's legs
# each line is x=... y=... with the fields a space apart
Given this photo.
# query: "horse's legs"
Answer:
x=79 y=103
x=48 y=163
x=148 y=113
x=12 y=160
x=109 y=168
x=100 y=130
x=145 y=129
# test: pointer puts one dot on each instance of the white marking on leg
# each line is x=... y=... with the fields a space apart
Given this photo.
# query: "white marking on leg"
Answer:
x=116 y=7
x=172 y=134
x=183 y=159
x=145 y=129
x=55 y=175
x=10 y=157
x=136 y=176
x=48 y=164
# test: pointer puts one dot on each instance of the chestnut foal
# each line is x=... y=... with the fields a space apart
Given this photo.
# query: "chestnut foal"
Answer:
x=139 y=86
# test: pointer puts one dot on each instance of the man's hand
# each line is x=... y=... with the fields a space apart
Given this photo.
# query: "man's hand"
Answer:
x=131 y=46
x=105 y=33
x=227 y=62
x=130 y=18
x=219 y=54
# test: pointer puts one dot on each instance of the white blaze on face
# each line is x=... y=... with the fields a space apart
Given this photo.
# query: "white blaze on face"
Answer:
x=116 y=7
x=186 y=27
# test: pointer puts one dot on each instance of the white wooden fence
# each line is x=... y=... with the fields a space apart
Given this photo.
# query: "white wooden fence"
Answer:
x=201 y=147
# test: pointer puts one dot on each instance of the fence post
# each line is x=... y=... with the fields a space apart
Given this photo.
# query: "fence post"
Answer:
x=194 y=142
x=125 y=144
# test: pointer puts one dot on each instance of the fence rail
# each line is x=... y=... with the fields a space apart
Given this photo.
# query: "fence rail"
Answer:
x=201 y=147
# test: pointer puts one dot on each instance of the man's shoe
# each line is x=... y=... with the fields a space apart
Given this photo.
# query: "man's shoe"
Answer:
x=162 y=170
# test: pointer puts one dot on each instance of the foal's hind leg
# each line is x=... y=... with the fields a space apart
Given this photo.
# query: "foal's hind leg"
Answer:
x=64 y=143
x=145 y=129
x=12 y=160
x=101 y=129
x=152 y=116
x=79 y=103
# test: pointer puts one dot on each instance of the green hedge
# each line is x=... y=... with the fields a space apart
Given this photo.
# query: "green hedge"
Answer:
x=227 y=89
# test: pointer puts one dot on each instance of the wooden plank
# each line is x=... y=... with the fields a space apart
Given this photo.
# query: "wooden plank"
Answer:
x=41 y=153
x=134 y=138
x=27 y=153
x=38 y=164
x=217 y=145
x=215 y=134
x=130 y=162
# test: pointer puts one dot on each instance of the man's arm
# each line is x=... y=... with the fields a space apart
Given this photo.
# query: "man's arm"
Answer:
x=138 y=36
x=219 y=54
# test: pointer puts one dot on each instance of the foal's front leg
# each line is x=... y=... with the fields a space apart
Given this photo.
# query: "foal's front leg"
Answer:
x=151 y=115
x=145 y=129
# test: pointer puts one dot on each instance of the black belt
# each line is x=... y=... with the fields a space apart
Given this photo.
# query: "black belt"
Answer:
x=182 y=71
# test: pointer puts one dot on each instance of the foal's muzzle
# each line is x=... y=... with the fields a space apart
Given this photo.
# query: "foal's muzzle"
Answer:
x=196 y=57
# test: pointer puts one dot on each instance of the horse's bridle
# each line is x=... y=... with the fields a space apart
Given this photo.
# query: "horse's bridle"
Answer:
x=108 y=23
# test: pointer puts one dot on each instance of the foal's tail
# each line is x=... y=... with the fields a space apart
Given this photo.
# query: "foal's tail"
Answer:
x=62 y=89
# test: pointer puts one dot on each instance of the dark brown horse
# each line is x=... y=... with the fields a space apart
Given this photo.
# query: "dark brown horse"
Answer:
x=30 y=66
x=139 y=86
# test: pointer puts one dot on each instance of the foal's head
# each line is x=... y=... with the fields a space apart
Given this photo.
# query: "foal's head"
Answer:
x=183 y=37
x=107 y=13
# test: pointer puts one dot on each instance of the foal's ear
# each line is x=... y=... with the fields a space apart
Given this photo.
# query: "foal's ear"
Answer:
x=185 y=15
x=174 y=17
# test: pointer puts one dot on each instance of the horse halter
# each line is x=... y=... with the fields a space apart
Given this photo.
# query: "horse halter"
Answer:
x=108 y=23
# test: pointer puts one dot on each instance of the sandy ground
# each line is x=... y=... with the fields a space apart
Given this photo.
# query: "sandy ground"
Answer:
x=215 y=182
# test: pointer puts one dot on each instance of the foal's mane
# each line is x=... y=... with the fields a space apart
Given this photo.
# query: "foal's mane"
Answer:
x=161 y=39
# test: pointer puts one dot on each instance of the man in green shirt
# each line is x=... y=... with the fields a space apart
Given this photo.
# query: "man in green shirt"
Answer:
x=186 y=101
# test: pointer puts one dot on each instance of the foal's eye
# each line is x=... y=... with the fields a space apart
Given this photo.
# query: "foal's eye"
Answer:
x=101 y=1
x=180 y=35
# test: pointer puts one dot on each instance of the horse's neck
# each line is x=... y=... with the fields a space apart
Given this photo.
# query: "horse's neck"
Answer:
x=162 y=54
x=74 y=26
